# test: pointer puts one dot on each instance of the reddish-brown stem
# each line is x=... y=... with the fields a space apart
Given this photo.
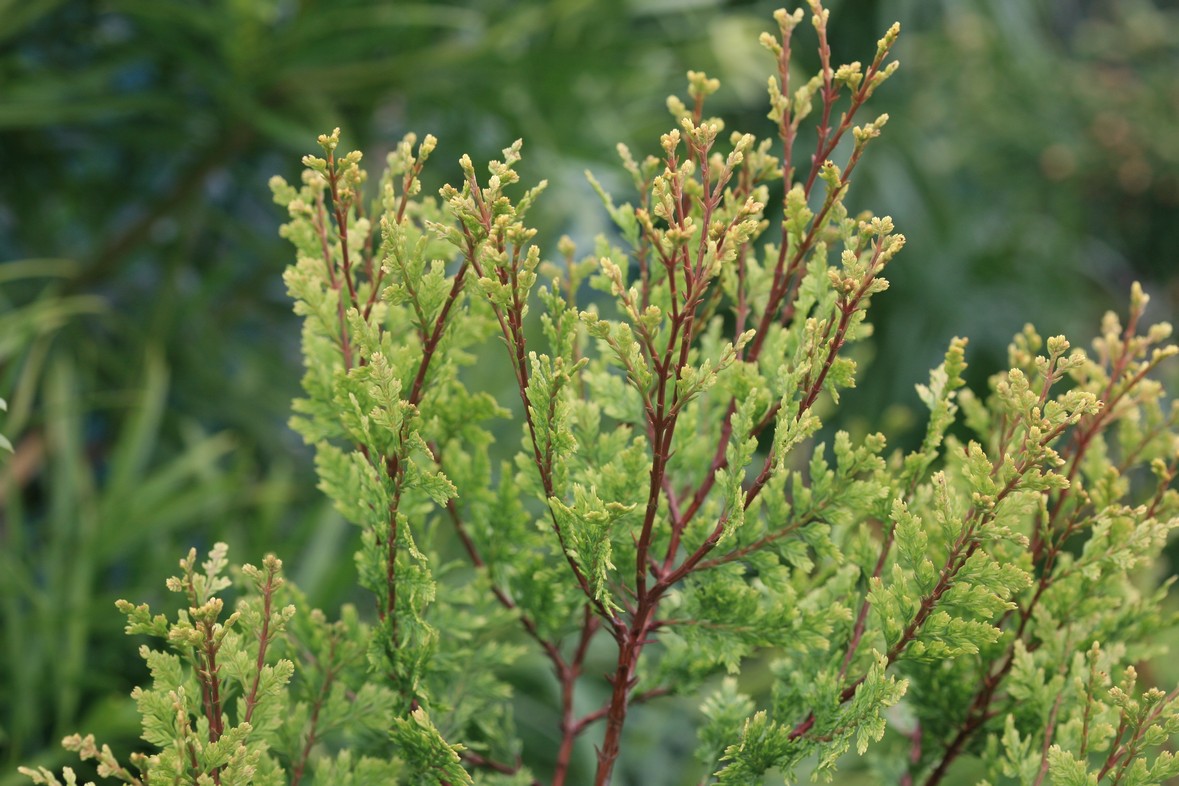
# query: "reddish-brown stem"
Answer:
x=845 y=313
x=206 y=667
x=661 y=427
x=963 y=548
x=757 y=545
x=786 y=128
x=961 y=552
x=431 y=344
x=1132 y=455
x=787 y=276
x=394 y=465
x=202 y=673
x=1126 y=753
x=1049 y=732
x=263 y=642
x=823 y=152
x=340 y=211
x=479 y=760
x=954 y=749
x=1115 y=750
x=1087 y=430
x=320 y=223
x=1163 y=485
x=719 y=461
x=601 y=712
x=193 y=764
x=511 y=326
x=847 y=308
x=862 y=615
x=829 y=93
x=658 y=464
x=694 y=559
x=568 y=674
x=979 y=711
x=630 y=648
x=1078 y=446
x=390 y=609
x=686 y=296
x=376 y=282
x=313 y=722
x=1088 y=713
x=803 y=727
x=550 y=649
x=212 y=681
x=914 y=755
x=416 y=304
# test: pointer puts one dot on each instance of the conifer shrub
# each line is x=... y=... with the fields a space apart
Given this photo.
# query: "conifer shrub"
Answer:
x=972 y=610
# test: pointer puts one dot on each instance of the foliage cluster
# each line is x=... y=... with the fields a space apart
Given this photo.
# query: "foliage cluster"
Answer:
x=977 y=595
x=146 y=344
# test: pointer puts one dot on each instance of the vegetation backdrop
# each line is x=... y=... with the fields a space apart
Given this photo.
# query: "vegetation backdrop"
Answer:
x=148 y=353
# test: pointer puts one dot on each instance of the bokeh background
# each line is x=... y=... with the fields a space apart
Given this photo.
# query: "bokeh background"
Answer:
x=148 y=352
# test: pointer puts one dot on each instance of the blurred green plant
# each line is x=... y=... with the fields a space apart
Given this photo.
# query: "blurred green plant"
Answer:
x=1034 y=153
x=92 y=487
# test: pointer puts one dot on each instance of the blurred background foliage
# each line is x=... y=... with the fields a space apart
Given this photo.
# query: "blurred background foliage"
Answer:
x=147 y=349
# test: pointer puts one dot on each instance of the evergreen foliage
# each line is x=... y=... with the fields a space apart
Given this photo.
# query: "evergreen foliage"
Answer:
x=981 y=596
